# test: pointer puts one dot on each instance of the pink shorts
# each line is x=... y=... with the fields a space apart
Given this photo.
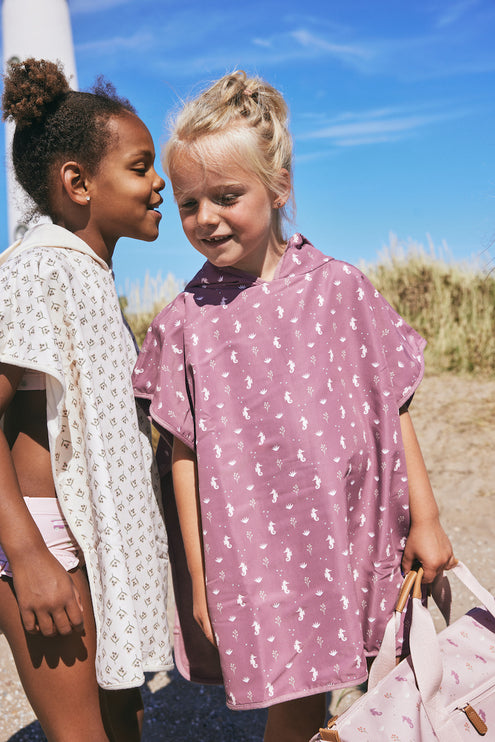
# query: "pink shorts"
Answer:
x=48 y=517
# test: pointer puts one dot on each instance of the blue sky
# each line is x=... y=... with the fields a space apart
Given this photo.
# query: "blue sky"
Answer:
x=392 y=111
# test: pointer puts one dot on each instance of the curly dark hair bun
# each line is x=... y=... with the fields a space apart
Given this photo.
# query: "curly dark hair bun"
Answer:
x=55 y=124
x=31 y=87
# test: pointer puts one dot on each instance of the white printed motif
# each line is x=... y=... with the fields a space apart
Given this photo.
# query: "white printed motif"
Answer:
x=315 y=437
x=60 y=314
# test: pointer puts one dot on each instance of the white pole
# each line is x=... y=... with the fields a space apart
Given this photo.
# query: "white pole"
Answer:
x=40 y=29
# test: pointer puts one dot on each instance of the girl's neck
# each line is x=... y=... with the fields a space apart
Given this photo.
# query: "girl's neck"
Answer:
x=263 y=267
x=97 y=244
x=87 y=235
x=271 y=262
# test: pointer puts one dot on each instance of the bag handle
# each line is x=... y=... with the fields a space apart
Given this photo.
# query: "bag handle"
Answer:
x=472 y=584
x=407 y=586
x=424 y=647
x=385 y=661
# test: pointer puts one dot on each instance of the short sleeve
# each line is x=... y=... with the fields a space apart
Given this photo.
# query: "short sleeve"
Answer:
x=399 y=346
x=160 y=375
x=29 y=290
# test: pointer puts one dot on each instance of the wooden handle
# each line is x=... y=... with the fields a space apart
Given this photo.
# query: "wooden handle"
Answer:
x=417 y=583
x=406 y=588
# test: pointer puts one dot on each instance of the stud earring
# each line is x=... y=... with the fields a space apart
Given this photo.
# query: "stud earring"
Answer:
x=88 y=198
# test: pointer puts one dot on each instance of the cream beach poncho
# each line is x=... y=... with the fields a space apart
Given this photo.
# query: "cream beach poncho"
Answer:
x=59 y=314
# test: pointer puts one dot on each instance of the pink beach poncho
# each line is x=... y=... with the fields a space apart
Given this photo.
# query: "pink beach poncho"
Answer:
x=289 y=391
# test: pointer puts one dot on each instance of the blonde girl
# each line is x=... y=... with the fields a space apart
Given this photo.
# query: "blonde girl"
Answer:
x=284 y=378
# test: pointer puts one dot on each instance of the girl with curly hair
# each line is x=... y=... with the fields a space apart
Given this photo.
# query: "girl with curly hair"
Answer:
x=83 y=554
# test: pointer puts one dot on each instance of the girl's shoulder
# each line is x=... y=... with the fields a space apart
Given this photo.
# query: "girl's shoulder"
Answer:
x=175 y=311
x=313 y=259
x=352 y=274
x=38 y=265
x=339 y=272
x=48 y=245
x=168 y=320
x=28 y=263
x=173 y=308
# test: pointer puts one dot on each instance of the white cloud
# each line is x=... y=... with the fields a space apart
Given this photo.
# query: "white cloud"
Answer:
x=262 y=42
x=446 y=49
x=297 y=45
x=376 y=126
x=113 y=45
x=314 y=43
x=316 y=156
x=456 y=11
x=177 y=47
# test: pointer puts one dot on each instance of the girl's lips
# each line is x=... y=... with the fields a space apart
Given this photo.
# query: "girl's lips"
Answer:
x=215 y=241
x=154 y=207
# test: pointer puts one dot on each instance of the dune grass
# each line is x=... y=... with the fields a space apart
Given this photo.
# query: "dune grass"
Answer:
x=451 y=304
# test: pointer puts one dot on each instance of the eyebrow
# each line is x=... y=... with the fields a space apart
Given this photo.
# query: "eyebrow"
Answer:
x=142 y=153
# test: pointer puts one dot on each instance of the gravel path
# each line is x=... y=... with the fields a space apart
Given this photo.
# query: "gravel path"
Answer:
x=455 y=421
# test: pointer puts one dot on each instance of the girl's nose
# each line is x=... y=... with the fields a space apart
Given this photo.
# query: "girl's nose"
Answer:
x=159 y=183
x=206 y=214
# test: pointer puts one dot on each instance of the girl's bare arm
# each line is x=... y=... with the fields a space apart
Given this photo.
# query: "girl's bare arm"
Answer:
x=184 y=472
x=427 y=541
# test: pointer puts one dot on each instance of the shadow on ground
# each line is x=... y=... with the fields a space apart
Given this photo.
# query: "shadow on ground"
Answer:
x=180 y=711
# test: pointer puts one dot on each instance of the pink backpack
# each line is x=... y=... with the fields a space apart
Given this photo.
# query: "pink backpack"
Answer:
x=445 y=689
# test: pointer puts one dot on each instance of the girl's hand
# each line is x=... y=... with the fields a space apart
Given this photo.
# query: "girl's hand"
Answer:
x=200 y=611
x=429 y=544
x=49 y=602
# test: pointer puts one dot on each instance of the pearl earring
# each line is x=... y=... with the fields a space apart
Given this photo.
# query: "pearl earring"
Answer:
x=88 y=198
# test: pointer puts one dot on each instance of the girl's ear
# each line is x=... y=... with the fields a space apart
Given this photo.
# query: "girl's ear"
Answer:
x=283 y=190
x=74 y=182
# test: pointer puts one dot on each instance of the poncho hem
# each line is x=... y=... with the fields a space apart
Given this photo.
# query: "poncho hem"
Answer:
x=303 y=693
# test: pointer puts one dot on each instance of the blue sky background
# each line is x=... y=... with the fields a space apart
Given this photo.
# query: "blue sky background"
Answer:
x=392 y=111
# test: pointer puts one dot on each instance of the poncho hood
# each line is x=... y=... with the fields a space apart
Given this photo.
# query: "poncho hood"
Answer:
x=51 y=235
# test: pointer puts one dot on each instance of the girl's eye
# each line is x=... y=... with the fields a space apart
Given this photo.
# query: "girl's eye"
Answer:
x=187 y=205
x=228 y=199
x=140 y=170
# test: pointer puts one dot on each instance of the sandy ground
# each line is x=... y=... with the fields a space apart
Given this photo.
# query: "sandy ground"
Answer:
x=455 y=421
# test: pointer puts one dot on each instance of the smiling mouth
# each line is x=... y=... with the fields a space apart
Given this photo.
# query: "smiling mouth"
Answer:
x=213 y=241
